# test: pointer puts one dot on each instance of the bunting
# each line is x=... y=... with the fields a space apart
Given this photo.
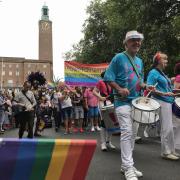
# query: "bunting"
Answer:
x=78 y=74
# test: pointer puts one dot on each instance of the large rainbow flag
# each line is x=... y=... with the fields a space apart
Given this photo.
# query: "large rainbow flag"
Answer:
x=78 y=74
x=50 y=159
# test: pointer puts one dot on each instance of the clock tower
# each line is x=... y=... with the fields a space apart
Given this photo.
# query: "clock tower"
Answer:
x=45 y=36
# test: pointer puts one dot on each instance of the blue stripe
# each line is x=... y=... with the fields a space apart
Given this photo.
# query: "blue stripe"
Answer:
x=88 y=80
x=112 y=130
x=25 y=159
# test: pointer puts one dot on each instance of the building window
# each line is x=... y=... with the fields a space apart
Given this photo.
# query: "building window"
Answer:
x=44 y=66
x=17 y=73
x=10 y=65
x=10 y=73
x=17 y=65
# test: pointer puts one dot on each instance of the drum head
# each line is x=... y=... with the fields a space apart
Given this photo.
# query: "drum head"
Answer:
x=145 y=104
x=177 y=102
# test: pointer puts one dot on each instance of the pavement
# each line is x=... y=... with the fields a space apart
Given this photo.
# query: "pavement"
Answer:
x=106 y=165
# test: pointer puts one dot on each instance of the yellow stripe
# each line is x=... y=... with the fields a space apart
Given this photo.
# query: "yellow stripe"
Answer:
x=58 y=159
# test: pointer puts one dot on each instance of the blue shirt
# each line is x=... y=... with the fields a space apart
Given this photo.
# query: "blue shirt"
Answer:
x=164 y=85
x=121 y=71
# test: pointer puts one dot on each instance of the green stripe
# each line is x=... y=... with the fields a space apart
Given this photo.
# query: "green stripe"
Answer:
x=43 y=155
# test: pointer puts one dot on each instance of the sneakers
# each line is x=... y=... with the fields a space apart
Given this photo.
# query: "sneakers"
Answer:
x=75 y=130
x=110 y=145
x=130 y=174
x=92 y=129
x=172 y=157
x=137 y=173
x=176 y=154
x=138 y=139
x=98 y=128
x=103 y=147
x=81 y=130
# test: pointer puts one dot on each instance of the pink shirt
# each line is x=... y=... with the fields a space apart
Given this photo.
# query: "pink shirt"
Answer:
x=92 y=100
x=177 y=82
x=177 y=79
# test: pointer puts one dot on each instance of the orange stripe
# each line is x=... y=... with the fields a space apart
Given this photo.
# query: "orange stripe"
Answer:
x=71 y=163
x=59 y=155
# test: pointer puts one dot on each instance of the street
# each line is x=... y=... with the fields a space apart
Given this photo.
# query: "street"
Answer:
x=106 y=165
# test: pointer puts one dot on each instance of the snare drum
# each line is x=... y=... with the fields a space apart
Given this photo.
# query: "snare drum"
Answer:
x=145 y=110
x=176 y=107
x=110 y=119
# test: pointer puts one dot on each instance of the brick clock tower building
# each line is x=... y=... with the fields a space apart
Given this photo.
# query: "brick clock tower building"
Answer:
x=14 y=70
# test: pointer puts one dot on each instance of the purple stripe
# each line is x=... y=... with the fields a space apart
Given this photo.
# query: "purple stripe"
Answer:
x=8 y=154
x=25 y=159
x=81 y=84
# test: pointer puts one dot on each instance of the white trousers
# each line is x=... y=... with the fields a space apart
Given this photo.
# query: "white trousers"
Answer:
x=167 y=134
x=176 y=128
x=127 y=137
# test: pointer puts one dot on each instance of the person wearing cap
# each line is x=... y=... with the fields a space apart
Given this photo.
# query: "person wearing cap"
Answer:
x=125 y=76
x=165 y=96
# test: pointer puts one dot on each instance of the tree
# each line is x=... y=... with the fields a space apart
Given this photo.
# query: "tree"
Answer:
x=108 y=22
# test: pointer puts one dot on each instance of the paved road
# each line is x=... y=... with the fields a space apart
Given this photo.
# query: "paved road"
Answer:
x=106 y=165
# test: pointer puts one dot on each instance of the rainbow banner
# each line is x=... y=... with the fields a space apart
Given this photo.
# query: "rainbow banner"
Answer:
x=78 y=74
x=50 y=159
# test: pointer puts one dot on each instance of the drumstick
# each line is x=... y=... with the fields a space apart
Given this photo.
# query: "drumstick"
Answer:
x=178 y=94
x=151 y=90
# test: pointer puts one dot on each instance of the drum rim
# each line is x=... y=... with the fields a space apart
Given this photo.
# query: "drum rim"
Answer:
x=176 y=101
x=143 y=109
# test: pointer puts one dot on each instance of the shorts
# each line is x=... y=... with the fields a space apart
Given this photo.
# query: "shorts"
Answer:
x=78 y=112
x=67 y=113
x=93 y=111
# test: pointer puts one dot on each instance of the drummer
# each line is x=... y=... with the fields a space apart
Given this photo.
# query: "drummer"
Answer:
x=176 y=115
x=125 y=76
x=102 y=91
x=177 y=78
x=164 y=95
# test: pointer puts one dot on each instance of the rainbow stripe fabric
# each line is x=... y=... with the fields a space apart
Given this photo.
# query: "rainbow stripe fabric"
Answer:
x=50 y=159
x=78 y=74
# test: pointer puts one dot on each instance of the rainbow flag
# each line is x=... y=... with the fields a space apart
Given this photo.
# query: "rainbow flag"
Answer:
x=50 y=85
x=78 y=74
x=49 y=159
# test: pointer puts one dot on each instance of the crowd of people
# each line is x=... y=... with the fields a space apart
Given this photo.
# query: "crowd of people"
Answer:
x=70 y=110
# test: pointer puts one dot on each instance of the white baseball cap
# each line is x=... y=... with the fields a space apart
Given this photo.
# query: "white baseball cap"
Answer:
x=133 y=35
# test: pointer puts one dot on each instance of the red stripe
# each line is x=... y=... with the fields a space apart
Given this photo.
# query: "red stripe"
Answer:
x=77 y=64
x=74 y=153
x=84 y=160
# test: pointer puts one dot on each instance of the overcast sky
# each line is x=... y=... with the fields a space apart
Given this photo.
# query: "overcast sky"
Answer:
x=19 y=27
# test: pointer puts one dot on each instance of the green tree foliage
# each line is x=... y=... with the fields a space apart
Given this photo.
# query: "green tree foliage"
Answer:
x=108 y=22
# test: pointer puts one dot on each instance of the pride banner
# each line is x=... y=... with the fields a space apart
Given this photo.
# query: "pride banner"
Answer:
x=78 y=74
x=49 y=159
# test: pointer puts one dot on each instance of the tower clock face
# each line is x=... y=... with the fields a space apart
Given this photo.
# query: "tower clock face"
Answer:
x=45 y=26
